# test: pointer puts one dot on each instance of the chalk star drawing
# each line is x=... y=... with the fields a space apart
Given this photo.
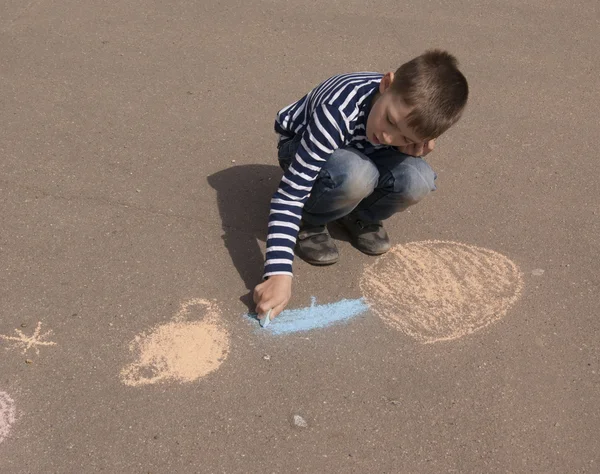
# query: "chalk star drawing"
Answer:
x=33 y=341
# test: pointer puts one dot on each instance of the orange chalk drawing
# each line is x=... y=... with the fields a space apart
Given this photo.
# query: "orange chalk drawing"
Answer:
x=181 y=350
x=438 y=291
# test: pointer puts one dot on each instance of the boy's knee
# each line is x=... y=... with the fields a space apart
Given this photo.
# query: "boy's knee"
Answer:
x=358 y=186
x=353 y=175
x=413 y=179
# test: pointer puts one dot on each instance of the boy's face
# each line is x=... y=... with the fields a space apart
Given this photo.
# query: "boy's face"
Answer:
x=386 y=124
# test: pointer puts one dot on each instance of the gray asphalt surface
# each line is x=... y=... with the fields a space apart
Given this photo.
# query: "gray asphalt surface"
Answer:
x=120 y=198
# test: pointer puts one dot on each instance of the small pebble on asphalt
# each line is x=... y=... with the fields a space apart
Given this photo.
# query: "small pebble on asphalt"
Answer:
x=300 y=422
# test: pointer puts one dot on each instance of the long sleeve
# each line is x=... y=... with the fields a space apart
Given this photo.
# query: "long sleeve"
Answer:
x=327 y=130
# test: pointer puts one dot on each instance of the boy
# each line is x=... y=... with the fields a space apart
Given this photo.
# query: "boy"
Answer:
x=351 y=151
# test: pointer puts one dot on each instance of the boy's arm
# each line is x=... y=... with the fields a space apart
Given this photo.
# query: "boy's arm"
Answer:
x=325 y=133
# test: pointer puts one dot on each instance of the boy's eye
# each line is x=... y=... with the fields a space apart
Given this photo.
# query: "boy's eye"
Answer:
x=389 y=120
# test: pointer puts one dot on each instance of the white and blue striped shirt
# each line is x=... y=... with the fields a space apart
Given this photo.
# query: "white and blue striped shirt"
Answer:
x=333 y=115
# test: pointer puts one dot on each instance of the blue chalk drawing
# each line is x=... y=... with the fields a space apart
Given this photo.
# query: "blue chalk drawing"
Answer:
x=313 y=317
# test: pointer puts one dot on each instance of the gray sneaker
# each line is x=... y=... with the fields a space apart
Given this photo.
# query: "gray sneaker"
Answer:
x=368 y=237
x=315 y=245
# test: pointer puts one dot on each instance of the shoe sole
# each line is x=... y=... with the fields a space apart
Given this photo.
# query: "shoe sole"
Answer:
x=366 y=252
x=318 y=263
x=369 y=252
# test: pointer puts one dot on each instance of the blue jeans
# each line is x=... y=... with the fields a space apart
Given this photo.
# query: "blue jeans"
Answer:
x=375 y=187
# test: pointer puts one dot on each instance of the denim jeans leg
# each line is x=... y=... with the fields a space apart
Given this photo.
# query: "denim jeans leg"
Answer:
x=403 y=181
x=345 y=180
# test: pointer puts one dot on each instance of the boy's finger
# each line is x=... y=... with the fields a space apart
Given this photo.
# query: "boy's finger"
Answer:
x=262 y=308
x=257 y=294
x=258 y=298
x=429 y=146
x=266 y=305
x=413 y=150
x=278 y=309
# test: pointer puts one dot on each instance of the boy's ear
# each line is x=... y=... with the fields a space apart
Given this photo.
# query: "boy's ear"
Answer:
x=386 y=82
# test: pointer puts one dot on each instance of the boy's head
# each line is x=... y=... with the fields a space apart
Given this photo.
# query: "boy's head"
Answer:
x=420 y=101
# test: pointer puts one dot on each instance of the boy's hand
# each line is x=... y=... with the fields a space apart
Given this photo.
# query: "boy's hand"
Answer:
x=275 y=293
x=418 y=149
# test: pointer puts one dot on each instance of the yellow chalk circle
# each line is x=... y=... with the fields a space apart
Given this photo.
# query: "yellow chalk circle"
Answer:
x=438 y=291
x=180 y=350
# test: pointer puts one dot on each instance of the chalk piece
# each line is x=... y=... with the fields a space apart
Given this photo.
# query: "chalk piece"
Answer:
x=264 y=322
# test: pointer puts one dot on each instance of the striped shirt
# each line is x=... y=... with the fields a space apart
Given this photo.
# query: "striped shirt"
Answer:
x=333 y=115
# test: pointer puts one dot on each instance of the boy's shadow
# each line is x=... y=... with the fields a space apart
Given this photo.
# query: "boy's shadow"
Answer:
x=243 y=196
